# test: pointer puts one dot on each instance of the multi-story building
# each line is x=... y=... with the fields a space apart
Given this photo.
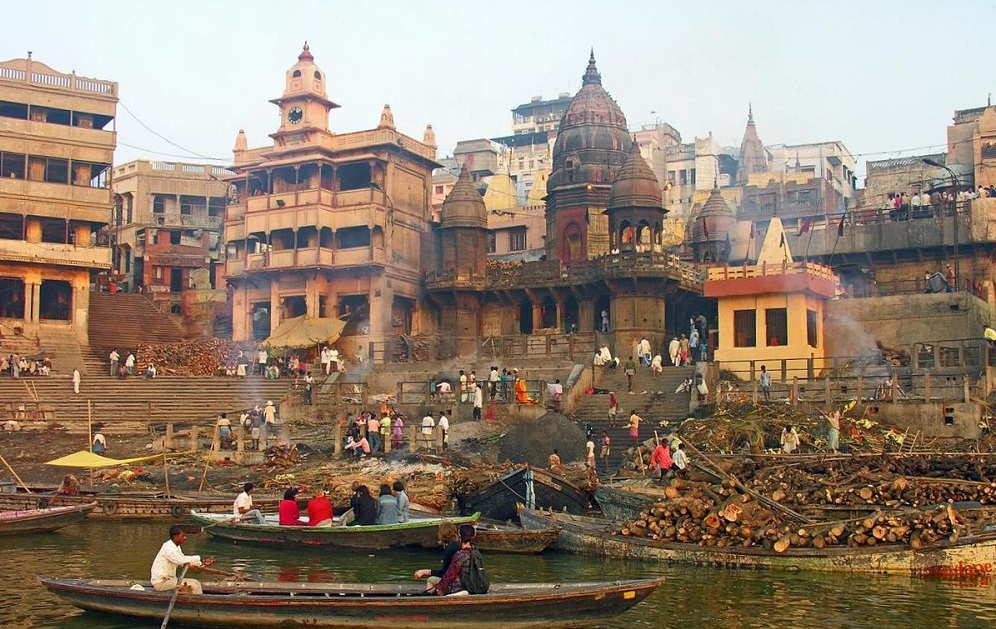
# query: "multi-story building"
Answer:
x=328 y=224
x=167 y=226
x=57 y=142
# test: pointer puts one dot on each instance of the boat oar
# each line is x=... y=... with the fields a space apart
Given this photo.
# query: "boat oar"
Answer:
x=172 y=600
x=238 y=576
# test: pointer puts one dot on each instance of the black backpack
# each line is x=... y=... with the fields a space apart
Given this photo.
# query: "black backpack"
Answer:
x=473 y=577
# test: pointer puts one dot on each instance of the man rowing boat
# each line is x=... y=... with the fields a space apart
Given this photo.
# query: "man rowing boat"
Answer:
x=170 y=558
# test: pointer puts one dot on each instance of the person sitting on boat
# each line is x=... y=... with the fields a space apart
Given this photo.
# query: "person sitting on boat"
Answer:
x=70 y=486
x=387 y=506
x=404 y=504
x=171 y=557
x=450 y=541
x=451 y=582
x=661 y=459
x=99 y=443
x=288 y=510
x=319 y=509
x=242 y=509
x=365 y=508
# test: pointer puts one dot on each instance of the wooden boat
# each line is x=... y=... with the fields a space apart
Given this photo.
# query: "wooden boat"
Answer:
x=42 y=520
x=359 y=606
x=496 y=537
x=417 y=532
x=529 y=486
x=131 y=505
x=970 y=556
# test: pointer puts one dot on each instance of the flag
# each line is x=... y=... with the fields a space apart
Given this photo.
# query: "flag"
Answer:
x=805 y=224
x=840 y=226
x=781 y=241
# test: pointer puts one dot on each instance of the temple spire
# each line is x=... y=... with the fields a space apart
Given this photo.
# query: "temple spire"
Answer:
x=591 y=74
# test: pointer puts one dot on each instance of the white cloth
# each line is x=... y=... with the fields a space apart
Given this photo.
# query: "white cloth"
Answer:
x=444 y=423
x=680 y=459
x=478 y=398
x=242 y=501
x=428 y=424
x=130 y=361
x=170 y=557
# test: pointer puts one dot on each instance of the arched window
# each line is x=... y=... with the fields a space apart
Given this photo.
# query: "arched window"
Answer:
x=297 y=74
x=318 y=75
x=573 y=237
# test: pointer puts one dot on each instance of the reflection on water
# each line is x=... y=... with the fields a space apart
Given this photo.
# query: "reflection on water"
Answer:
x=692 y=597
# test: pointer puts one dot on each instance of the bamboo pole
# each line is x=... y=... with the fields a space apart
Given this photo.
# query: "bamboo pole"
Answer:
x=89 y=430
x=166 y=473
x=207 y=462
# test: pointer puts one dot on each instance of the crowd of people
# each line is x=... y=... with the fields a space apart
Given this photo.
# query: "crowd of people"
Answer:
x=15 y=366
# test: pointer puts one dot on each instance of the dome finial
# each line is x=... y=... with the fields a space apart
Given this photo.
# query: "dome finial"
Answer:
x=305 y=53
x=591 y=74
x=750 y=113
x=386 y=118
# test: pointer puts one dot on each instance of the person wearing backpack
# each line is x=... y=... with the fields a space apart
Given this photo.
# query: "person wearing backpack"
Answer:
x=465 y=574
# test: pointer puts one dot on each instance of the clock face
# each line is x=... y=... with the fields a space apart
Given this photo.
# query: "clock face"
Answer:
x=295 y=115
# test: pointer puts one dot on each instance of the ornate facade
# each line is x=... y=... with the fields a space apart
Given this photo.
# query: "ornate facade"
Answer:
x=325 y=224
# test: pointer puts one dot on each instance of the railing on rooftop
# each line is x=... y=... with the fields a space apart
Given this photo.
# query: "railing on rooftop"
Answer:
x=62 y=81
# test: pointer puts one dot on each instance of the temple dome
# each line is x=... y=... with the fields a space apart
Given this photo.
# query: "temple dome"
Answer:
x=593 y=136
x=714 y=221
x=463 y=206
x=636 y=185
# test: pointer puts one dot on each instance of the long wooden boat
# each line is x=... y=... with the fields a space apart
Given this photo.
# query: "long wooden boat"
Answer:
x=42 y=520
x=529 y=486
x=131 y=505
x=360 y=606
x=507 y=538
x=971 y=556
x=417 y=532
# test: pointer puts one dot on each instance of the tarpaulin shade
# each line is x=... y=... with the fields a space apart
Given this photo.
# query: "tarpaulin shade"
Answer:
x=85 y=458
x=304 y=331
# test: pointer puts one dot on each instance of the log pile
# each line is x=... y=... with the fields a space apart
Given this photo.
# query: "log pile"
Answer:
x=199 y=357
x=720 y=516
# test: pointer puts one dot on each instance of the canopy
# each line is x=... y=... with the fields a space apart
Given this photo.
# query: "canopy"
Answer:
x=85 y=458
x=304 y=331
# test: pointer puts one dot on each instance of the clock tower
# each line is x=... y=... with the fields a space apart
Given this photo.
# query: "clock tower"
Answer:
x=305 y=103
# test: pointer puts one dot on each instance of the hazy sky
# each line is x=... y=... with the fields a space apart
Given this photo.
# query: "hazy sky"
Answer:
x=882 y=76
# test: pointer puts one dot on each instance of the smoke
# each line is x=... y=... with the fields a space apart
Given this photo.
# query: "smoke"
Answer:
x=846 y=336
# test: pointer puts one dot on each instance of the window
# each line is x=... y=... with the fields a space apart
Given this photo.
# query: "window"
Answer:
x=174 y=237
x=492 y=242
x=439 y=189
x=692 y=176
x=683 y=177
x=517 y=239
x=745 y=328
x=776 y=326
x=158 y=204
x=671 y=177
x=812 y=337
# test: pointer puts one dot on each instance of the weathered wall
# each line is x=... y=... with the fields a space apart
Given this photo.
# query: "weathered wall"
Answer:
x=929 y=419
x=853 y=325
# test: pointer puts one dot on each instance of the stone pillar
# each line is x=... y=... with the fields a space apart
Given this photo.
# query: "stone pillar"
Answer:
x=276 y=310
x=34 y=313
x=33 y=230
x=81 y=235
x=560 y=316
x=537 y=316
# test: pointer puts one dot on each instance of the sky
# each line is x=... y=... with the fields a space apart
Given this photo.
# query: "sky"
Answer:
x=882 y=76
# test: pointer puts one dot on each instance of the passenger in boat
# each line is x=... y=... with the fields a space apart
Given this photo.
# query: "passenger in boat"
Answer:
x=70 y=486
x=320 y=509
x=242 y=509
x=404 y=504
x=288 y=510
x=450 y=541
x=387 y=506
x=451 y=582
x=365 y=509
x=170 y=558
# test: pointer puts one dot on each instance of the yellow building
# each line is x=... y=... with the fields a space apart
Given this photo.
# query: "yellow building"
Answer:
x=771 y=310
x=57 y=143
x=328 y=224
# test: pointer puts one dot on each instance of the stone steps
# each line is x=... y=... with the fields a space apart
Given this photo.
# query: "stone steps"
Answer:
x=124 y=321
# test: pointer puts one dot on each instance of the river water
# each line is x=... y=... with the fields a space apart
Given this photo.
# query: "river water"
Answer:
x=692 y=597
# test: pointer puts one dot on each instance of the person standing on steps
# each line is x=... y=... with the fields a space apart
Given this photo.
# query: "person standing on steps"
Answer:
x=77 y=378
x=630 y=370
x=634 y=427
x=613 y=409
x=606 y=449
x=130 y=363
x=115 y=358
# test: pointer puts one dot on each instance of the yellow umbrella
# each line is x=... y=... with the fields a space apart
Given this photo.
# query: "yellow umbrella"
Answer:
x=85 y=458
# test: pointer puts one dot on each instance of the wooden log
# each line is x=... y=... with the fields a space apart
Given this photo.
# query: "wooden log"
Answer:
x=782 y=544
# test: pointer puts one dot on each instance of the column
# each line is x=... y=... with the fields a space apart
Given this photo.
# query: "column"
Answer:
x=537 y=316
x=560 y=316
x=34 y=314
x=276 y=309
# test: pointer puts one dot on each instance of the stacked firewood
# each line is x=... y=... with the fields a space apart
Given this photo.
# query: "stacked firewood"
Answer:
x=199 y=357
x=740 y=521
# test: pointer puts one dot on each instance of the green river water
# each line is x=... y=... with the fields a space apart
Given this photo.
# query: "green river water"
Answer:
x=692 y=597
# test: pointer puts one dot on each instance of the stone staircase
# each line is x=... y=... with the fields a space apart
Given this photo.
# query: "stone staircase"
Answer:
x=653 y=399
x=124 y=321
x=64 y=349
x=129 y=406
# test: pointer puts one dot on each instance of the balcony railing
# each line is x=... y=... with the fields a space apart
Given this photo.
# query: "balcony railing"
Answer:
x=188 y=220
x=55 y=254
x=288 y=259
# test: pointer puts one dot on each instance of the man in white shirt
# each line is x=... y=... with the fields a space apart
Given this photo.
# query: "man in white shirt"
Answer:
x=478 y=402
x=493 y=379
x=261 y=358
x=170 y=557
x=325 y=358
x=680 y=460
x=242 y=509
x=130 y=364
x=333 y=360
x=444 y=427
x=115 y=359
x=428 y=426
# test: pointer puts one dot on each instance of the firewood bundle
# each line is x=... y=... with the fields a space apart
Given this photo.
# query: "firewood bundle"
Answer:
x=199 y=357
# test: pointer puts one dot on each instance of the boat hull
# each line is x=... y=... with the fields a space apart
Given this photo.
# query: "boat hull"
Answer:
x=498 y=501
x=969 y=557
x=513 y=540
x=346 y=606
x=42 y=520
x=129 y=507
x=417 y=533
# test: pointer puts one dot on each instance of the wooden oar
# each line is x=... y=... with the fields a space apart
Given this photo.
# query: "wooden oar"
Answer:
x=172 y=600
x=14 y=474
